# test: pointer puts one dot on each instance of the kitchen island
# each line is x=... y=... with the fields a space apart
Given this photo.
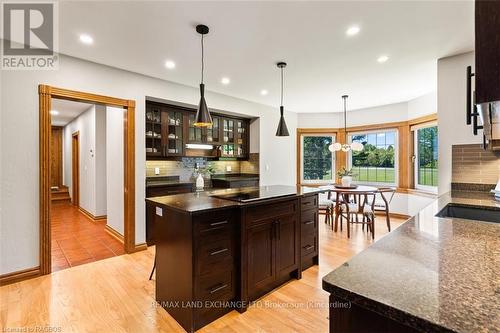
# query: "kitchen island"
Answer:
x=220 y=250
x=432 y=274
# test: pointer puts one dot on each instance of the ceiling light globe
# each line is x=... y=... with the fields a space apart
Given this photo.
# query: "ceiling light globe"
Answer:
x=334 y=147
x=357 y=146
x=346 y=148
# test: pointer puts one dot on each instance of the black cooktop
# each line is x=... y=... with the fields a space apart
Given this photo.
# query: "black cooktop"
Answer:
x=248 y=194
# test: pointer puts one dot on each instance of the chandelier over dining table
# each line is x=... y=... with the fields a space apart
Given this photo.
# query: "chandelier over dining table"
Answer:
x=345 y=147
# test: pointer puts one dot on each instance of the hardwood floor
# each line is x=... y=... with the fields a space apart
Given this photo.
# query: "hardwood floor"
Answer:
x=114 y=295
x=76 y=240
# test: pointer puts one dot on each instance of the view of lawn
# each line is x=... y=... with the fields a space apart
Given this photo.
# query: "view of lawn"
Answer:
x=428 y=176
x=374 y=174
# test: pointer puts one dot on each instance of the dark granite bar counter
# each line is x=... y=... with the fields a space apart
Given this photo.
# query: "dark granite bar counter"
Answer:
x=208 y=200
x=431 y=274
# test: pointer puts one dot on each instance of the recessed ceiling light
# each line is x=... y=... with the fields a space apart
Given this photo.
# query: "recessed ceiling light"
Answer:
x=54 y=112
x=86 y=39
x=225 y=80
x=170 y=64
x=263 y=92
x=383 y=58
x=354 y=30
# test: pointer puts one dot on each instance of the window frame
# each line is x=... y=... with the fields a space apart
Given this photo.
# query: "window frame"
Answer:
x=396 y=154
x=415 y=157
x=334 y=171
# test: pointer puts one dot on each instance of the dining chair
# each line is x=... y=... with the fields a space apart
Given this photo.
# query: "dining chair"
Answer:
x=386 y=195
x=326 y=205
x=361 y=204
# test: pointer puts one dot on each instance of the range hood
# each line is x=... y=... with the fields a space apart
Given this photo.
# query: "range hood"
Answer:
x=489 y=114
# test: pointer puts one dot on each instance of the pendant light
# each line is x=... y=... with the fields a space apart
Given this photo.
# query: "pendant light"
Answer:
x=282 y=129
x=203 y=118
x=354 y=146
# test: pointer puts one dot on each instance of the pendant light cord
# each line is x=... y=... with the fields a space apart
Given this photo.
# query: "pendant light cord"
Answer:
x=281 y=86
x=202 y=56
x=345 y=119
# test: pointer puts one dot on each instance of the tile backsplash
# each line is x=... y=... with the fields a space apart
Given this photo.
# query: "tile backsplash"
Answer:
x=474 y=165
x=185 y=168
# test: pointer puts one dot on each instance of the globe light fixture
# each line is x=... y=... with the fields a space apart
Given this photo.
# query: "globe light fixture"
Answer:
x=345 y=147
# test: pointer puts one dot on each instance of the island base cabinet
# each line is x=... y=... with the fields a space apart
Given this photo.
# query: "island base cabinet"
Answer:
x=196 y=274
x=346 y=316
x=270 y=248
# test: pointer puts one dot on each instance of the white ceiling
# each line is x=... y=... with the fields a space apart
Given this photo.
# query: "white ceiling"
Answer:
x=247 y=39
x=68 y=110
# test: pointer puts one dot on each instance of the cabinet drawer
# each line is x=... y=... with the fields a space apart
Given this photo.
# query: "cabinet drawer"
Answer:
x=266 y=213
x=309 y=244
x=217 y=286
x=309 y=221
x=309 y=202
x=214 y=224
x=214 y=256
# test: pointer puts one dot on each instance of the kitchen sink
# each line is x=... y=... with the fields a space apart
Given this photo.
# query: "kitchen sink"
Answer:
x=486 y=214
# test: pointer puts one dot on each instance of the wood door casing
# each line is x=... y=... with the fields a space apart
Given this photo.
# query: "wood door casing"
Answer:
x=56 y=157
x=75 y=168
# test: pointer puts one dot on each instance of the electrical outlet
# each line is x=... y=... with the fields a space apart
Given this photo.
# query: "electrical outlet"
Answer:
x=157 y=171
x=229 y=168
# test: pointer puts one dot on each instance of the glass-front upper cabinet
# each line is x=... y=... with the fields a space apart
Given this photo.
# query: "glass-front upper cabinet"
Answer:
x=153 y=131
x=195 y=134
x=241 y=138
x=228 y=137
x=213 y=132
x=173 y=141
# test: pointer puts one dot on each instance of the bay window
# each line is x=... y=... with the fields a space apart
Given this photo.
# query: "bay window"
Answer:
x=377 y=163
x=426 y=157
x=317 y=162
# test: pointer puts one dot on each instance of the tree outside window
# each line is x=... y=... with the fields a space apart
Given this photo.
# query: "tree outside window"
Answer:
x=317 y=160
x=376 y=162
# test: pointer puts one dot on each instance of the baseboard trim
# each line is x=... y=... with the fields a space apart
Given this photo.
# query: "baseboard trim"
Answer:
x=19 y=275
x=140 y=247
x=90 y=216
x=395 y=215
x=115 y=234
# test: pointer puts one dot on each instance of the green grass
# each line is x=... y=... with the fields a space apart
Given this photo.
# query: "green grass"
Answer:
x=375 y=175
x=428 y=176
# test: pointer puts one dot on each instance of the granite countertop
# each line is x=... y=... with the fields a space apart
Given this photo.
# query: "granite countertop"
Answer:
x=205 y=200
x=433 y=274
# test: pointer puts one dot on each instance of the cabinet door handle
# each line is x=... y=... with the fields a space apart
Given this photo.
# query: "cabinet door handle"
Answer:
x=214 y=290
x=308 y=247
x=309 y=222
x=218 y=223
x=219 y=251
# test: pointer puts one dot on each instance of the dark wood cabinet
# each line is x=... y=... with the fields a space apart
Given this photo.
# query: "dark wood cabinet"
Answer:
x=261 y=258
x=169 y=128
x=309 y=231
x=270 y=252
x=487 y=50
x=158 y=191
x=153 y=131
x=197 y=274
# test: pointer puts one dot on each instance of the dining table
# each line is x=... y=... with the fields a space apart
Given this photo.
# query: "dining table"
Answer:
x=345 y=192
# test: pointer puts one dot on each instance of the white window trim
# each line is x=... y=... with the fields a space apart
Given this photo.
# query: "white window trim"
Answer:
x=317 y=181
x=396 y=155
x=426 y=188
